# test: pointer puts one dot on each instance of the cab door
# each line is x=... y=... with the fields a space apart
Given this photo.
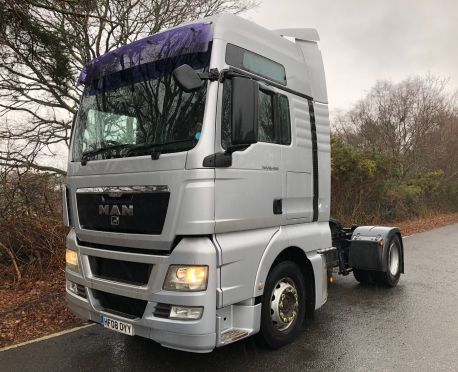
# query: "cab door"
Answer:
x=248 y=193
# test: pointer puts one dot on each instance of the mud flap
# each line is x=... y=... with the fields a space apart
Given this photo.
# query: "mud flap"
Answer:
x=369 y=246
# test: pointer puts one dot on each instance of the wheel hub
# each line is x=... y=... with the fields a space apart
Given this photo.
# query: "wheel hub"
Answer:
x=284 y=304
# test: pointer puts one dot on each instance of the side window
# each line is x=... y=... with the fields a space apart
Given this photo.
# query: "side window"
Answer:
x=266 y=131
x=274 y=124
x=285 y=121
x=255 y=63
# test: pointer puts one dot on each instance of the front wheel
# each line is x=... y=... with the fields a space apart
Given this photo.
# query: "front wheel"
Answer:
x=283 y=305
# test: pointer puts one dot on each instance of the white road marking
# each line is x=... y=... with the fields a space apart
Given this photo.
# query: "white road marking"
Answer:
x=408 y=236
x=46 y=337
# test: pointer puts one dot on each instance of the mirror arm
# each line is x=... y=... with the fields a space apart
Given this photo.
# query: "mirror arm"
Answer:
x=212 y=75
x=234 y=148
x=222 y=159
x=215 y=75
x=229 y=74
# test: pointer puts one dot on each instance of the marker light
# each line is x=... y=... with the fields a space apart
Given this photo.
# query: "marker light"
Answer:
x=71 y=258
x=186 y=278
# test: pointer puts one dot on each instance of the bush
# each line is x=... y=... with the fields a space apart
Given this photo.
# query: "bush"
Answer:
x=359 y=182
x=31 y=230
x=367 y=188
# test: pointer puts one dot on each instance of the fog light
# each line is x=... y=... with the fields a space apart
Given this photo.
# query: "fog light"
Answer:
x=71 y=259
x=72 y=287
x=77 y=289
x=186 y=312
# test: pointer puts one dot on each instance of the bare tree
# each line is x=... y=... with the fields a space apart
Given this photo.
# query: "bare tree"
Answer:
x=45 y=43
x=399 y=120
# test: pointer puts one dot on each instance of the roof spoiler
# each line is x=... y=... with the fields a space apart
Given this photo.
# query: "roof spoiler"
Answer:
x=303 y=34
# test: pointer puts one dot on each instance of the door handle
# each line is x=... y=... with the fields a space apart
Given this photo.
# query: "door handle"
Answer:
x=278 y=206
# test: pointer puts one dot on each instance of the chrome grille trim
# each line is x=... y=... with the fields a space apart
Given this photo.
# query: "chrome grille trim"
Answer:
x=114 y=191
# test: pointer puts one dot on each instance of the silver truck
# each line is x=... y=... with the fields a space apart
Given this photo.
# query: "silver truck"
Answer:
x=198 y=189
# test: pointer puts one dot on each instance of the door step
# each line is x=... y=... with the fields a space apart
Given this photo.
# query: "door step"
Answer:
x=233 y=335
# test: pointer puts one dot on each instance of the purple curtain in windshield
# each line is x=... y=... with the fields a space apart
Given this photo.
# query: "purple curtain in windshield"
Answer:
x=193 y=38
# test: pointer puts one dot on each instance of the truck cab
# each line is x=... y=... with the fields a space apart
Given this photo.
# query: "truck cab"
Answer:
x=198 y=188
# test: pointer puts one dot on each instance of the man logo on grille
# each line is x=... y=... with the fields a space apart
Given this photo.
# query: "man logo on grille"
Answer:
x=116 y=210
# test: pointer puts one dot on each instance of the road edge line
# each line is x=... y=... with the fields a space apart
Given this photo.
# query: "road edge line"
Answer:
x=47 y=337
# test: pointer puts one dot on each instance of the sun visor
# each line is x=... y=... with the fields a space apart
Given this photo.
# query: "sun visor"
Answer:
x=193 y=38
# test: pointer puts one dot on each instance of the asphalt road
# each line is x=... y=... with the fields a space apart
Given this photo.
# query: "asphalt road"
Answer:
x=411 y=327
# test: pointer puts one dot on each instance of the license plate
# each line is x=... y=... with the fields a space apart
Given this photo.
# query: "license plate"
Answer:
x=117 y=325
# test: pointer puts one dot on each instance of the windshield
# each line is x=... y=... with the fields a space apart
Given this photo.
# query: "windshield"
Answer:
x=138 y=107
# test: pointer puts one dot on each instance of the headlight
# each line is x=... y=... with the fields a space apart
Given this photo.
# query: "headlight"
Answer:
x=186 y=278
x=71 y=259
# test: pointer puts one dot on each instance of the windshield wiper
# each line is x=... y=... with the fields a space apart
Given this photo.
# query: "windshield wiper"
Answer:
x=152 y=146
x=132 y=149
x=101 y=150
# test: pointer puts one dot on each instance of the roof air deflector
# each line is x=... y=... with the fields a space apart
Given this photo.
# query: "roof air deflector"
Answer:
x=304 y=34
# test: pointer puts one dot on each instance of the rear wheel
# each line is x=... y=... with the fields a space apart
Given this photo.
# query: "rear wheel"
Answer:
x=283 y=305
x=390 y=278
x=363 y=276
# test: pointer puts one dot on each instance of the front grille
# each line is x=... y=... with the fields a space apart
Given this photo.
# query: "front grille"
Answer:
x=162 y=310
x=81 y=290
x=126 y=212
x=135 y=273
x=113 y=248
x=120 y=305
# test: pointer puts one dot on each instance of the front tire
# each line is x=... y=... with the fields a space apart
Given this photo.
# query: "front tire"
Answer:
x=283 y=305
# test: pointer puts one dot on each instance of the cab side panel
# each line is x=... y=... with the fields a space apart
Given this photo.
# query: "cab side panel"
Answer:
x=324 y=160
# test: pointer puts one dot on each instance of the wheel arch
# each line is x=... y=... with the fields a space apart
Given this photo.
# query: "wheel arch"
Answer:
x=297 y=255
x=385 y=234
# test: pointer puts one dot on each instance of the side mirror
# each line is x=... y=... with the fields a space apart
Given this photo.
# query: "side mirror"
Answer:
x=244 y=111
x=187 y=78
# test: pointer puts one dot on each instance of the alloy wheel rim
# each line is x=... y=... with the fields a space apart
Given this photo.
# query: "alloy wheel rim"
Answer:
x=393 y=259
x=284 y=304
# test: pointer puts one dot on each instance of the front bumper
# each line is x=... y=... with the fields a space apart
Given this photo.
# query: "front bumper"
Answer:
x=148 y=328
x=195 y=335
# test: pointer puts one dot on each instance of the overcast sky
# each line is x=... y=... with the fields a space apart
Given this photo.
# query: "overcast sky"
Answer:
x=363 y=41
